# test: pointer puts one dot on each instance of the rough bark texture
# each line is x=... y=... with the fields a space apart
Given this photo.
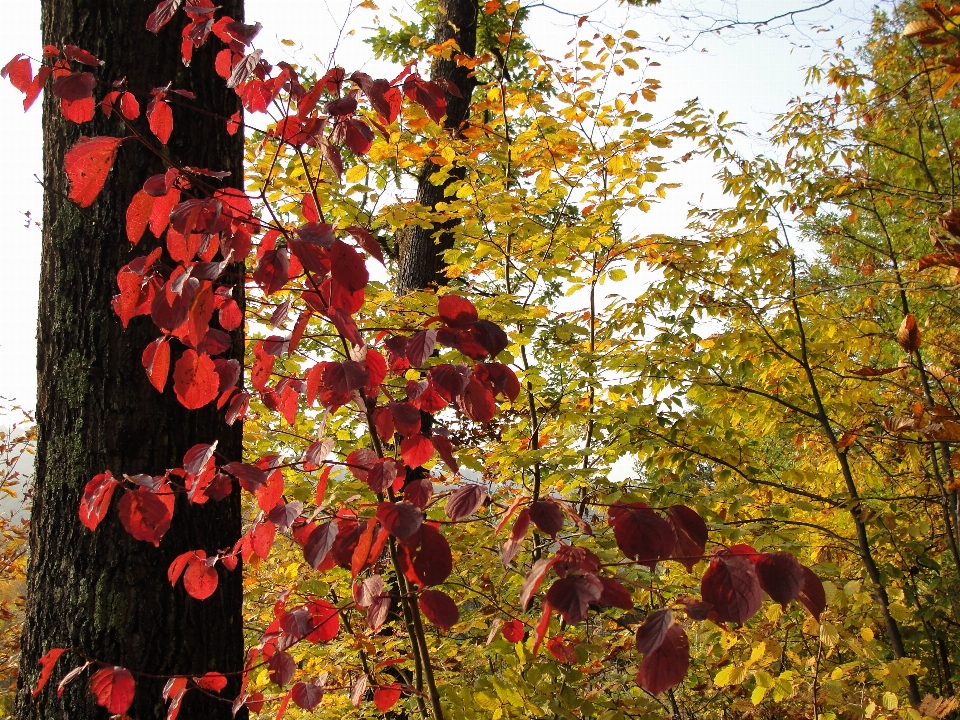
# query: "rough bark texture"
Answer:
x=104 y=593
x=420 y=260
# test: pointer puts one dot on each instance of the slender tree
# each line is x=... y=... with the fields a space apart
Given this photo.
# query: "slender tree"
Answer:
x=105 y=594
x=420 y=257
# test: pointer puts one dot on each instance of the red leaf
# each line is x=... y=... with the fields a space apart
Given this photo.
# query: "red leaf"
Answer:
x=420 y=346
x=282 y=667
x=213 y=681
x=439 y=608
x=179 y=564
x=428 y=95
x=416 y=450
x=533 y=579
x=272 y=270
x=138 y=215
x=33 y=92
x=347 y=266
x=368 y=591
x=512 y=546
x=812 y=596
x=563 y=651
x=731 y=586
x=367 y=241
x=87 y=163
x=641 y=534
x=19 y=71
x=262 y=537
x=456 y=311
x=382 y=475
x=114 y=688
x=477 y=402
x=445 y=450
x=406 y=418
x=355 y=134
x=72 y=52
x=650 y=635
x=358 y=559
x=501 y=378
x=691 y=532
x=268 y=494
x=78 y=111
x=96 y=499
x=156 y=360
x=108 y=102
x=318 y=544
x=195 y=380
x=307 y=695
x=401 y=519
x=360 y=461
x=144 y=515
x=465 y=501
x=250 y=476
x=513 y=631
x=571 y=596
x=386 y=696
x=548 y=516
x=540 y=631
x=358 y=690
x=47 y=662
x=615 y=595
x=666 y=666
x=74 y=86
x=162 y=207
x=781 y=576
x=432 y=560
x=574 y=559
x=200 y=579
x=129 y=106
x=325 y=621
x=419 y=492
x=308 y=207
x=160 y=119
x=162 y=15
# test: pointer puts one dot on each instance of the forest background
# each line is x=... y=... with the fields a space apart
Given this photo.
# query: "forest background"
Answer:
x=778 y=426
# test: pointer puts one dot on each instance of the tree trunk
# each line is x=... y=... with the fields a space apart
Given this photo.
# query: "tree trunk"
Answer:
x=104 y=593
x=420 y=260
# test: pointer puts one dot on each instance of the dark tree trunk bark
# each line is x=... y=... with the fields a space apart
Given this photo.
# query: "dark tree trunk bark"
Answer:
x=420 y=257
x=104 y=593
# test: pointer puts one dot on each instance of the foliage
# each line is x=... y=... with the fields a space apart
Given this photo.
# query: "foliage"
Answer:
x=16 y=447
x=783 y=378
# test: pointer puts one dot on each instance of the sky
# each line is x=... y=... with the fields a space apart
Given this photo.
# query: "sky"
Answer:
x=751 y=75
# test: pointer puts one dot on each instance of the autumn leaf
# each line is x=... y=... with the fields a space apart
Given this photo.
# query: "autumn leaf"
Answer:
x=87 y=163
x=195 y=380
x=113 y=688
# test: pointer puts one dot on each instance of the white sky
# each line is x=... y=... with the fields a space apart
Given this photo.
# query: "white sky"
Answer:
x=752 y=76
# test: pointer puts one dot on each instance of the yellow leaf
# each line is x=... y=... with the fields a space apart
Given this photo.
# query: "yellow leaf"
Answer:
x=543 y=181
x=356 y=173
